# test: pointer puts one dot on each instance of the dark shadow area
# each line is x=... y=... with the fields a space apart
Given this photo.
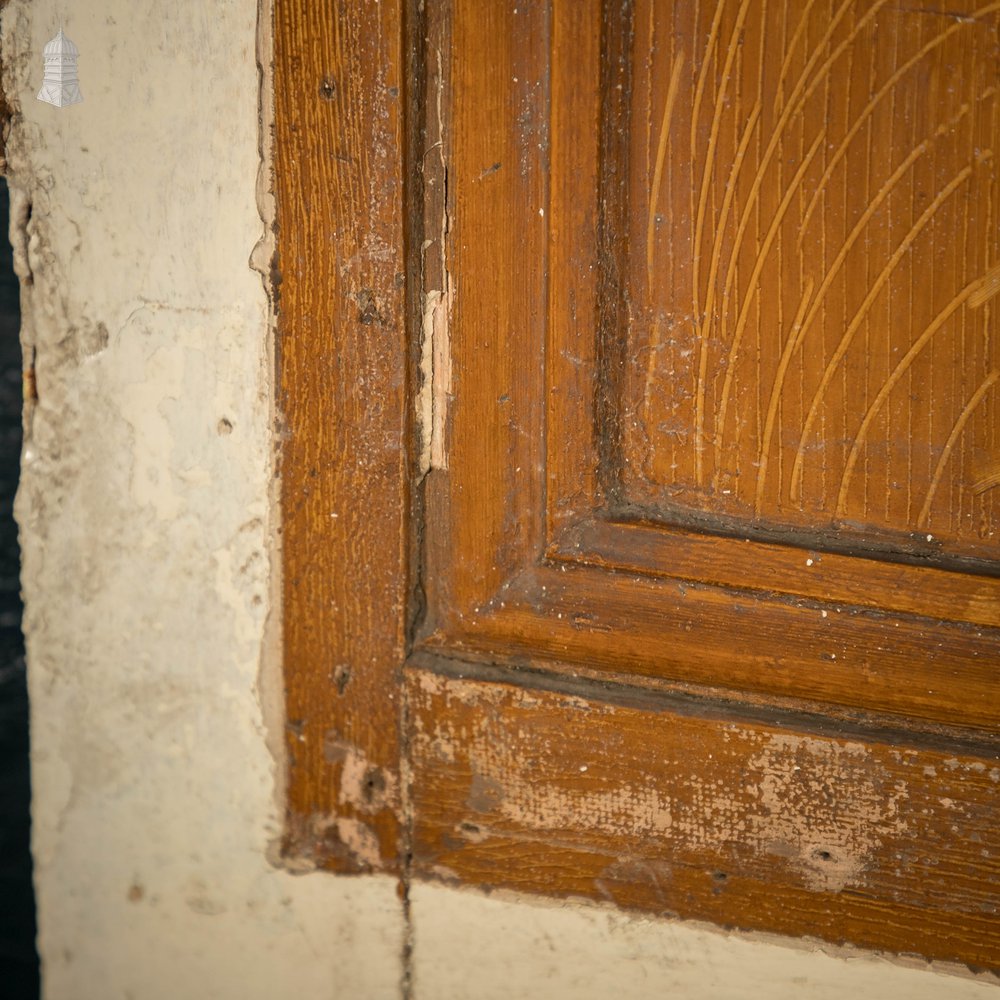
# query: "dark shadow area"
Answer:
x=18 y=958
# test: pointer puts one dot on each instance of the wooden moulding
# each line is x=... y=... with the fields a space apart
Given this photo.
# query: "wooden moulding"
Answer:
x=526 y=550
x=339 y=273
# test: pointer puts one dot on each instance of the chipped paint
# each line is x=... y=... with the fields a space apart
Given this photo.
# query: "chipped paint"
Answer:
x=797 y=780
x=739 y=802
x=360 y=840
x=364 y=787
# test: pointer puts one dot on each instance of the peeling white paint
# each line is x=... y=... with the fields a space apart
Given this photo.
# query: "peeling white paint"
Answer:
x=789 y=819
x=435 y=344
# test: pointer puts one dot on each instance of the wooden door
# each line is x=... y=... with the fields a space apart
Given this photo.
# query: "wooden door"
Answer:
x=640 y=508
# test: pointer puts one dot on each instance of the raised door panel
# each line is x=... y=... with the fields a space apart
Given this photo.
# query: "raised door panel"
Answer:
x=638 y=198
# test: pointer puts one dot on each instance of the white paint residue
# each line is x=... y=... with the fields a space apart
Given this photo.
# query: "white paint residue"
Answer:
x=790 y=781
x=435 y=381
x=435 y=347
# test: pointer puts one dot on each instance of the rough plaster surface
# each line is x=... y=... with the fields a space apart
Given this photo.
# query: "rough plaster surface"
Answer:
x=145 y=520
x=511 y=947
x=146 y=526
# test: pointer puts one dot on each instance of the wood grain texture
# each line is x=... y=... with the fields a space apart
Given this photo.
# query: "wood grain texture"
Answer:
x=770 y=569
x=770 y=733
x=338 y=162
x=749 y=824
x=534 y=318
x=544 y=563
x=584 y=617
x=811 y=271
x=494 y=101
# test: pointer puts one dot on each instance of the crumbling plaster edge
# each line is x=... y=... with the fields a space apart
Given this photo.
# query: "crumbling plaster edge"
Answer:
x=16 y=170
x=263 y=260
x=7 y=111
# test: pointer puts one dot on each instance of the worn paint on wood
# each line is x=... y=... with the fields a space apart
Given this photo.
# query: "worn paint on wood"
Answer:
x=751 y=824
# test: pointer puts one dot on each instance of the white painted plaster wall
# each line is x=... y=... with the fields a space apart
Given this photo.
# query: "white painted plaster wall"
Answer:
x=535 y=950
x=146 y=522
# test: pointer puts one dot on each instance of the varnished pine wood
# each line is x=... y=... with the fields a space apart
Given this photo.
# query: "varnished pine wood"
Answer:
x=340 y=264
x=826 y=577
x=495 y=143
x=604 y=696
x=931 y=671
x=866 y=630
x=811 y=269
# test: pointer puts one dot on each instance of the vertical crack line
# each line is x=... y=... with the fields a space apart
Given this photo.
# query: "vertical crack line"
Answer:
x=413 y=104
x=406 y=845
x=414 y=101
